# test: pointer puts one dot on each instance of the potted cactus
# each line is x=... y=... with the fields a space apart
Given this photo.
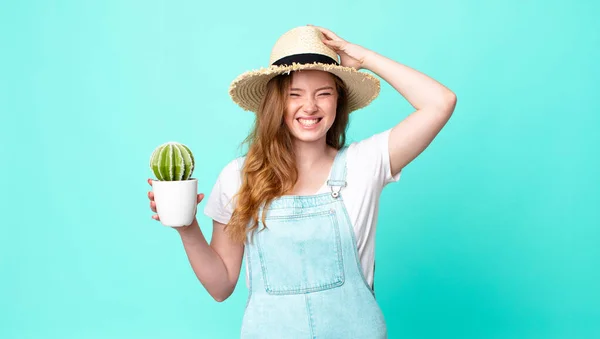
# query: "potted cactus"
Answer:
x=175 y=191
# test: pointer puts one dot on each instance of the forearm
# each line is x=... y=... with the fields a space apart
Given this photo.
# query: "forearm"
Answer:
x=206 y=263
x=418 y=89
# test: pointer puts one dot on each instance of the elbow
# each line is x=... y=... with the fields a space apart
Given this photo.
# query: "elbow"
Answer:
x=443 y=103
x=450 y=101
x=447 y=103
x=221 y=296
x=451 y=98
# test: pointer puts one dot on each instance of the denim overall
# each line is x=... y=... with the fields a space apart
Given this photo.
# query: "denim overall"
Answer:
x=305 y=279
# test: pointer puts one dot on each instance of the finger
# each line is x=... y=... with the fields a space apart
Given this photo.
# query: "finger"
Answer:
x=153 y=206
x=200 y=197
x=151 y=195
x=150 y=181
x=155 y=217
x=334 y=43
x=327 y=33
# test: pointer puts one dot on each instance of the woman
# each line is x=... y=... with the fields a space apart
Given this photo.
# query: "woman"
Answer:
x=301 y=205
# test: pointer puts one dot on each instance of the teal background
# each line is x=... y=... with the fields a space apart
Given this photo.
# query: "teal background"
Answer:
x=493 y=232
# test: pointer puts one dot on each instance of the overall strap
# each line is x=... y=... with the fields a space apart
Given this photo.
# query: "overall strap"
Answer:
x=338 y=172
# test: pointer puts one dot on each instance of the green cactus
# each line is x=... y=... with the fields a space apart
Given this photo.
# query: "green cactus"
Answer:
x=172 y=161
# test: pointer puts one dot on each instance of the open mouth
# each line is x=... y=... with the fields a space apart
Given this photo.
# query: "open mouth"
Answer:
x=309 y=122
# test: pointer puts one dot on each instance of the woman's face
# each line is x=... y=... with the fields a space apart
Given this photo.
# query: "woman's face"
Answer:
x=311 y=105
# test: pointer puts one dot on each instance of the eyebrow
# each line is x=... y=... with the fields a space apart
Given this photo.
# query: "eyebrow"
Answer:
x=318 y=89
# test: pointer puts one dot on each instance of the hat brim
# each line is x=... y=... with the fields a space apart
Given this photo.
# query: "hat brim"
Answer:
x=248 y=89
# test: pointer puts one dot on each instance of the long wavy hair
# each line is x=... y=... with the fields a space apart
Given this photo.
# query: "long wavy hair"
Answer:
x=269 y=169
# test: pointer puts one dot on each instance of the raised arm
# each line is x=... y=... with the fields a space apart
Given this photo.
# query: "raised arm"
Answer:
x=433 y=102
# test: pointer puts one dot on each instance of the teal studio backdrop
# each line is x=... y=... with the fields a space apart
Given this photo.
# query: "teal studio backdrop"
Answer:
x=493 y=232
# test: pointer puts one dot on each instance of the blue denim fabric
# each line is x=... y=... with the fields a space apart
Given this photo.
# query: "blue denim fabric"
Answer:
x=305 y=279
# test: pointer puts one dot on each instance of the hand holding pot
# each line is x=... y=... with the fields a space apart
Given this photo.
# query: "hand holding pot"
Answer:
x=153 y=205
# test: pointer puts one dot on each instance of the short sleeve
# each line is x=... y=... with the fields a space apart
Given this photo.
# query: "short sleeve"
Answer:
x=220 y=204
x=372 y=156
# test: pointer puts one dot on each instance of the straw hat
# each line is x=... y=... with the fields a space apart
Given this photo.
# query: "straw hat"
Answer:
x=302 y=49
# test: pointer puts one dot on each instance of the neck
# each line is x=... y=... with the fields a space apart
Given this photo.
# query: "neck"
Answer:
x=309 y=154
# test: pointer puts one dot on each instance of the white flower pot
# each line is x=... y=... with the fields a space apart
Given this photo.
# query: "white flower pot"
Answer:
x=176 y=201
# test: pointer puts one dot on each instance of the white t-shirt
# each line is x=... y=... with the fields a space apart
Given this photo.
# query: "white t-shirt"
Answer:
x=368 y=172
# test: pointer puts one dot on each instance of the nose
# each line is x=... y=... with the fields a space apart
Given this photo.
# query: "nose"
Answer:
x=310 y=106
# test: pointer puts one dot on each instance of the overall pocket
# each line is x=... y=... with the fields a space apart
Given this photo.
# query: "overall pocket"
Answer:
x=301 y=253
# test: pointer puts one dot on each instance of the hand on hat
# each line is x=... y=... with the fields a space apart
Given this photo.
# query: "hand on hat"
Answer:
x=351 y=55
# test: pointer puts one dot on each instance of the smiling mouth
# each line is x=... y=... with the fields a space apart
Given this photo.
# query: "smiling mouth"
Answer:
x=309 y=122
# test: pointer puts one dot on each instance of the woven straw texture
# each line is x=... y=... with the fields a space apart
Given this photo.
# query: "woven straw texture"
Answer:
x=248 y=89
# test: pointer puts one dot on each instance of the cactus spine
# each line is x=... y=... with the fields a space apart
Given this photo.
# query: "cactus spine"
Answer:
x=172 y=161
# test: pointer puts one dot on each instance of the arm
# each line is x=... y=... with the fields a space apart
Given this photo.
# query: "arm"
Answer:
x=433 y=102
x=217 y=265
